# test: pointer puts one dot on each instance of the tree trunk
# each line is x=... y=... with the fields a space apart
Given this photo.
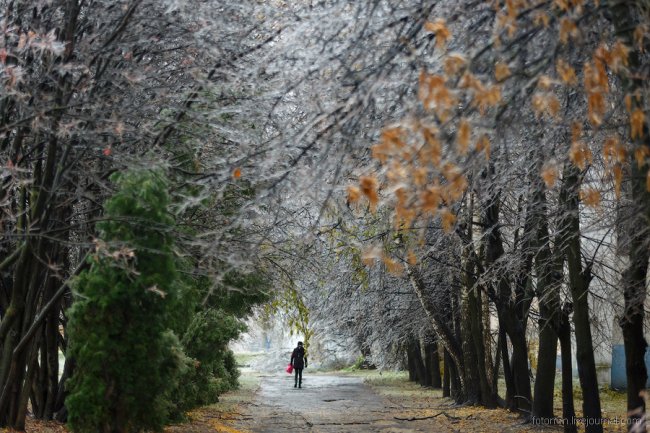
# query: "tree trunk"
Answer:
x=579 y=279
x=637 y=227
x=510 y=312
x=548 y=265
x=446 y=380
x=564 y=334
x=432 y=363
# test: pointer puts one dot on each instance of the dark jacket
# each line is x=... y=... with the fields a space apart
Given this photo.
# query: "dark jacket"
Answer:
x=298 y=358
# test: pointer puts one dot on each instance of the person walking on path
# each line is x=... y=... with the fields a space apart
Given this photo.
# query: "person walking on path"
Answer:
x=299 y=361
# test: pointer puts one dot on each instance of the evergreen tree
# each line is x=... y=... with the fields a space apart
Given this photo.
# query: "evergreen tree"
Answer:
x=119 y=320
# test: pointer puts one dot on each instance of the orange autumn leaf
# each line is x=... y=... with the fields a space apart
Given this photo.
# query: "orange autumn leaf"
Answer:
x=501 y=71
x=463 y=136
x=590 y=197
x=439 y=28
x=552 y=105
x=393 y=137
x=549 y=174
x=469 y=81
x=562 y=5
x=545 y=82
x=637 y=120
x=432 y=151
x=489 y=97
x=411 y=258
x=402 y=196
x=609 y=149
x=618 y=179
x=541 y=19
x=566 y=73
x=576 y=132
x=392 y=266
x=639 y=35
x=640 y=154
x=420 y=176
x=580 y=154
x=368 y=186
x=483 y=145
x=448 y=219
x=430 y=199
x=596 y=107
x=354 y=194
x=236 y=173
x=618 y=56
x=568 y=29
x=454 y=62
x=628 y=103
x=538 y=102
x=380 y=152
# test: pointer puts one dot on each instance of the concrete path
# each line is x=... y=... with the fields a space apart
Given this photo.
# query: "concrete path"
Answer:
x=325 y=403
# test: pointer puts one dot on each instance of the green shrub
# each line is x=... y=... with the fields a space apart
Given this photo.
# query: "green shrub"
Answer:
x=125 y=359
x=210 y=368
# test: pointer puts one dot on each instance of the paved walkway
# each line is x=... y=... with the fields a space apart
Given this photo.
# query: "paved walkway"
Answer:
x=325 y=403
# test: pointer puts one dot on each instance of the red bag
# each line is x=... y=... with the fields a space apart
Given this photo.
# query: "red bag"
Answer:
x=289 y=368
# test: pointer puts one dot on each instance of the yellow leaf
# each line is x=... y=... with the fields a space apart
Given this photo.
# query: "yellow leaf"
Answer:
x=637 y=121
x=463 y=136
x=501 y=71
x=590 y=197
